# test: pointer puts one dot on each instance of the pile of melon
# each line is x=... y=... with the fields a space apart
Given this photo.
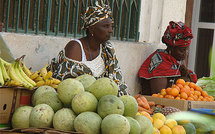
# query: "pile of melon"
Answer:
x=83 y=104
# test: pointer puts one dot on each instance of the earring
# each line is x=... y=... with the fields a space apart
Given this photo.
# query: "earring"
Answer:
x=92 y=34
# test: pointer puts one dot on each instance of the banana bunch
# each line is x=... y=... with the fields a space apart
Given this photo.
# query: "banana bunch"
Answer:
x=15 y=74
x=44 y=77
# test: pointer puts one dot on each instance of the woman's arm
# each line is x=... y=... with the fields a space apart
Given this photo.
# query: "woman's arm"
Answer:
x=157 y=84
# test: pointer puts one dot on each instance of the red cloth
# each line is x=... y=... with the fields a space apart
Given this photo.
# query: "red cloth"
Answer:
x=177 y=34
x=159 y=64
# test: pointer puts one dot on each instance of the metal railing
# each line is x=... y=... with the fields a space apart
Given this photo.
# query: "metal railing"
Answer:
x=63 y=17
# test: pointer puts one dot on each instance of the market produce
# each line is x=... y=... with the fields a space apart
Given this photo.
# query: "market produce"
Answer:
x=86 y=80
x=166 y=110
x=83 y=102
x=41 y=116
x=115 y=124
x=189 y=128
x=20 y=118
x=44 y=77
x=88 y=123
x=51 y=99
x=145 y=124
x=130 y=105
x=178 y=130
x=13 y=74
x=64 y=119
x=165 y=130
x=184 y=91
x=207 y=84
x=103 y=86
x=39 y=91
x=110 y=104
x=67 y=90
x=143 y=104
x=134 y=126
x=146 y=115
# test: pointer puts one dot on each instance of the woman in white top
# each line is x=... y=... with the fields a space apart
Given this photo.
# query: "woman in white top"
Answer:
x=92 y=54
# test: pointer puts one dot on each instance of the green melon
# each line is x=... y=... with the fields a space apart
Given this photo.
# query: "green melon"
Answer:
x=134 y=126
x=67 y=89
x=189 y=128
x=131 y=106
x=86 y=80
x=110 y=104
x=20 y=118
x=39 y=91
x=84 y=102
x=145 y=124
x=201 y=128
x=51 y=99
x=41 y=116
x=88 y=123
x=103 y=86
x=115 y=124
x=64 y=119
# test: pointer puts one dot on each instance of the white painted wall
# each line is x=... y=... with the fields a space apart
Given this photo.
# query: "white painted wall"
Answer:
x=155 y=16
x=41 y=49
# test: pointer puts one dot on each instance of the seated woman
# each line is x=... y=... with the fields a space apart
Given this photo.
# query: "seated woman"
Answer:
x=162 y=68
x=92 y=54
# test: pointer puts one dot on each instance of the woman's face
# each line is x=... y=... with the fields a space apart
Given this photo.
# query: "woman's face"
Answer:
x=103 y=30
x=179 y=53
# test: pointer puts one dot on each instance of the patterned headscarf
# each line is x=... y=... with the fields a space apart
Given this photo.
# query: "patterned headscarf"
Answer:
x=95 y=14
x=177 y=34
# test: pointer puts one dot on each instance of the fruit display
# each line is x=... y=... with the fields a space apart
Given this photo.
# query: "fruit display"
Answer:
x=16 y=74
x=184 y=91
x=72 y=108
x=143 y=104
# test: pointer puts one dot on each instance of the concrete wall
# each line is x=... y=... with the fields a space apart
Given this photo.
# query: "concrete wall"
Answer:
x=41 y=49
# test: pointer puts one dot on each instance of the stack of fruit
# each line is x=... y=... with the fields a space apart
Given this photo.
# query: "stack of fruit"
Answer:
x=16 y=74
x=87 y=101
x=161 y=125
x=184 y=91
x=144 y=104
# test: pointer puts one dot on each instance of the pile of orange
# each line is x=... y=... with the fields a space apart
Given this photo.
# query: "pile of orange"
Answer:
x=184 y=91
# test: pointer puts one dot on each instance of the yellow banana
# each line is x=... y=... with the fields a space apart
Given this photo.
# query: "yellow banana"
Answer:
x=34 y=75
x=54 y=86
x=48 y=75
x=26 y=70
x=1 y=78
x=40 y=83
x=43 y=71
x=48 y=82
x=56 y=81
x=4 y=72
x=39 y=78
x=13 y=74
x=5 y=62
x=13 y=83
x=25 y=83
x=29 y=80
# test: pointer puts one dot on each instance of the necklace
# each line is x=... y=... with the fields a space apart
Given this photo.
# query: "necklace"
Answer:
x=88 y=46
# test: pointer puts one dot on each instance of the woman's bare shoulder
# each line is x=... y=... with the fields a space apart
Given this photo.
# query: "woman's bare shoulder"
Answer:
x=73 y=50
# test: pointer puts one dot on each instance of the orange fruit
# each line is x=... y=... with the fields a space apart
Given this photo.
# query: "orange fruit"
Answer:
x=174 y=92
x=198 y=88
x=204 y=93
x=184 y=95
x=191 y=92
x=204 y=99
x=192 y=85
x=187 y=83
x=201 y=97
x=180 y=81
x=155 y=95
x=212 y=98
x=192 y=89
x=163 y=92
x=177 y=98
x=187 y=87
x=197 y=93
x=180 y=86
x=187 y=91
x=161 y=96
x=168 y=90
x=190 y=98
x=170 y=97
x=195 y=97
x=191 y=95
x=175 y=86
